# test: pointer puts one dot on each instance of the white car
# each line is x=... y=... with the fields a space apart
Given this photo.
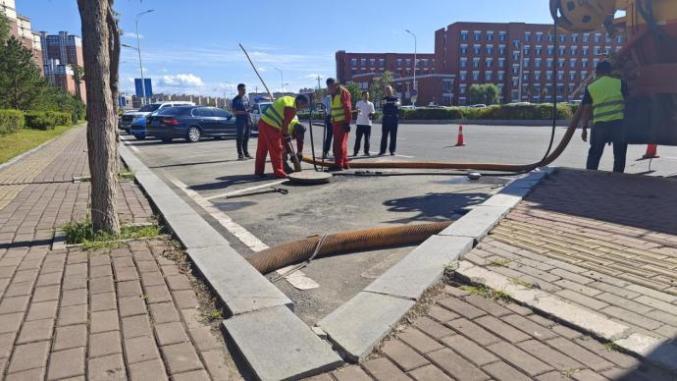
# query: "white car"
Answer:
x=257 y=110
x=129 y=117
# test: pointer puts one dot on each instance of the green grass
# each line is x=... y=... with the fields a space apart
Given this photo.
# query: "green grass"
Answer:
x=16 y=143
x=486 y=292
x=82 y=233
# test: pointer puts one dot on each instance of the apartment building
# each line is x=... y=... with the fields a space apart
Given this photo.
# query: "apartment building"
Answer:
x=528 y=62
x=21 y=28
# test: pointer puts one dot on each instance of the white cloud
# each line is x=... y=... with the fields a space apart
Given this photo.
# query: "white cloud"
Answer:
x=180 y=80
x=131 y=35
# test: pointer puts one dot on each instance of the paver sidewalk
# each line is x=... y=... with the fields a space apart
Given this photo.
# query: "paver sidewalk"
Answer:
x=467 y=336
x=601 y=241
x=126 y=313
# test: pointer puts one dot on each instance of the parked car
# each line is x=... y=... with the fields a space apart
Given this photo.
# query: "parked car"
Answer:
x=479 y=105
x=129 y=117
x=255 y=114
x=191 y=123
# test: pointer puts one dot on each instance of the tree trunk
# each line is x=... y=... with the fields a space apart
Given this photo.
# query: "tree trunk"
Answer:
x=101 y=117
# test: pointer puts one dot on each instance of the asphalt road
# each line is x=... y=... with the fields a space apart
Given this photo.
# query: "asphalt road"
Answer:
x=205 y=173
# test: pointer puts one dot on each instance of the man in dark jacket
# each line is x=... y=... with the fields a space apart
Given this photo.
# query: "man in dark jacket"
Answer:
x=391 y=117
x=240 y=107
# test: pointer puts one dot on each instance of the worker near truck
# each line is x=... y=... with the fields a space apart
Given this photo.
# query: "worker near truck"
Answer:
x=274 y=130
x=604 y=104
x=341 y=116
x=240 y=107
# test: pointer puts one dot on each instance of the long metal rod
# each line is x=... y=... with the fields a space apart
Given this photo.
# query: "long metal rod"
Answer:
x=257 y=72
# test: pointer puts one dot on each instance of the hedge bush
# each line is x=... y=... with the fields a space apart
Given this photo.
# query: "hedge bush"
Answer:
x=495 y=112
x=11 y=121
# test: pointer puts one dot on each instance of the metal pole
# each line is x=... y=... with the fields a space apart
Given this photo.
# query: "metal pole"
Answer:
x=281 y=79
x=415 y=62
x=138 y=49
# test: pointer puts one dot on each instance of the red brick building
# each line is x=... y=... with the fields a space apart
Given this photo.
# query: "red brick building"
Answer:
x=523 y=60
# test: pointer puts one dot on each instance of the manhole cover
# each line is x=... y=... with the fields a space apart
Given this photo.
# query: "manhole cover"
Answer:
x=310 y=177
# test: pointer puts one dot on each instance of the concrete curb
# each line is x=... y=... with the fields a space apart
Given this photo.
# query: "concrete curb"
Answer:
x=360 y=324
x=262 y=326
x=660 y=352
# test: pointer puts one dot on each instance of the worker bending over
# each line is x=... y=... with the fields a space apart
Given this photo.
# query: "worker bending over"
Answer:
x=604 y=104
x=273 y=130
x=297 y=131
x=341 y=116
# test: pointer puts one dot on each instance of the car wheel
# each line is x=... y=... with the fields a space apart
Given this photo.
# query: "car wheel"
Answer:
x=193 y=135
x=167 y=140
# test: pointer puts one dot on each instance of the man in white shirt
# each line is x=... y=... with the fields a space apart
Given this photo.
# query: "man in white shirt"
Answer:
x=365 y=114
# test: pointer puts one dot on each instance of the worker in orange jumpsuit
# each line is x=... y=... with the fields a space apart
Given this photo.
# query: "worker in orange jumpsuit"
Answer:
x=274 y=130
x=341 y=116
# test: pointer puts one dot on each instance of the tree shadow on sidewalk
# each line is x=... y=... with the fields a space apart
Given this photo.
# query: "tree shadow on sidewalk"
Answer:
x=637 y=201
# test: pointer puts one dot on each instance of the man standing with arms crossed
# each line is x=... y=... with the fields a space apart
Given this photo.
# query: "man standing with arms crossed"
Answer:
x=389 y=125
x=341 y=116
x=604 y=104
x=240 y=107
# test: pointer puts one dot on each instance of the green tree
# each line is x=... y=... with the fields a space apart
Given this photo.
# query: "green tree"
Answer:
x=378 y=86
x=4 y=29
x=487 y=94
x=78 y=77
x=355 y=91
x=20 y=81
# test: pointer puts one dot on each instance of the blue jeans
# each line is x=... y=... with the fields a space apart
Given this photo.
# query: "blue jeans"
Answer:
x=243 y=131
x=328 y=135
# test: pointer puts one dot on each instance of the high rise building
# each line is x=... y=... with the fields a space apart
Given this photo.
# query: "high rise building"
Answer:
x=62 y=55
x=21 y=28
x=527 y=62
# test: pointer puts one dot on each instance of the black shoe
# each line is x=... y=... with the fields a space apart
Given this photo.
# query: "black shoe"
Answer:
x=392 y=154
x=367 y=154
x=247 y=156
x=335 y=168
x=288 y=168
x=240 y=157
x=381 y=153
x=356 y=154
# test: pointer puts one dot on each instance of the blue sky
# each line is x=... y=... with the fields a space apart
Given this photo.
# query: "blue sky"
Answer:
x=191 y=46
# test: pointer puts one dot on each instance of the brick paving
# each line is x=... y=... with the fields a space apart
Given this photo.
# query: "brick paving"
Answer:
x=464 y=335
x=605 y=242
x=126 y=313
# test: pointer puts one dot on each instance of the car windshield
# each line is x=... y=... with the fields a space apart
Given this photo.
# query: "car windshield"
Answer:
x=264 y=107
x=174 y=111
x=149 y=108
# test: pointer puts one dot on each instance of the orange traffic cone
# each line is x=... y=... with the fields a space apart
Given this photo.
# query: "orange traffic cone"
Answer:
x=651 y=152
x=460 y=141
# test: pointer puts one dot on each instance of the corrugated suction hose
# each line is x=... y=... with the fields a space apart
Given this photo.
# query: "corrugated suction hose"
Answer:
x=342 y=243
x=470 y=166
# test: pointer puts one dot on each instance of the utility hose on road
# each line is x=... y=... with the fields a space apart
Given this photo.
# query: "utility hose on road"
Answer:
x=552 y=156
x=291 y=253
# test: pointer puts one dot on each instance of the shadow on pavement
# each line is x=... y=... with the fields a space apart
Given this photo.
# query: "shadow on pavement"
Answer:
x=642 y=202
x=229 y=181
x=433 y=206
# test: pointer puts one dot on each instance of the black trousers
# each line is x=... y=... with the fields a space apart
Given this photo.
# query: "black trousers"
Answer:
x=328 y=135
x=243 y=130
x=362 y=130
x=602 y=134
x=389 y=130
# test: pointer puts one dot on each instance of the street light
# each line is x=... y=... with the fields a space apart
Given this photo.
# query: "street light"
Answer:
x=138 y=49
x=415 y=65
x=281 y=79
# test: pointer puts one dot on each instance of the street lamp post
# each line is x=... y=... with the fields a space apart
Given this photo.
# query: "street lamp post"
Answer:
x=415 y=64
x=138 y=49
x=281 y=79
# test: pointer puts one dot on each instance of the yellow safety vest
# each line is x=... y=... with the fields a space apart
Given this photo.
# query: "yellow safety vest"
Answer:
x=608 y=103
x=337 y=113
x=292 y=125
x=274 y=115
